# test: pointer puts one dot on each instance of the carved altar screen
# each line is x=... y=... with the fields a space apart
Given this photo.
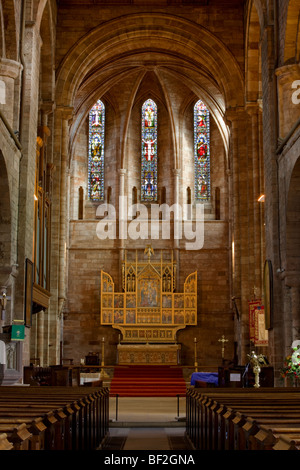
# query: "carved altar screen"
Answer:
x=149 y=309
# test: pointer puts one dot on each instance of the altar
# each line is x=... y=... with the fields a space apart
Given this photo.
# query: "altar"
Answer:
x=168 y=354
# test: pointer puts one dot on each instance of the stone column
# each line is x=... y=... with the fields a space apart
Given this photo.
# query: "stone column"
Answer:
x=295 y=304
x=177 y=220
x=63 y=115
x=28 y=136
x=40 y=327
x=292 y=280
x=122 y=219
x=122 y=208
x=177 y=214
x=239 y=225
x=270 y=138
x=63 y=210
x=255 y=191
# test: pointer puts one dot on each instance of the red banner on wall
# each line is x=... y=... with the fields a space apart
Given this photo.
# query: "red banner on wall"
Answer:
x=261 y=334
x=257 y=330
x=253 y=305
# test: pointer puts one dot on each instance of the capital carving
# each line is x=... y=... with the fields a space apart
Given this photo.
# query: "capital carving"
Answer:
x=253 y=108
x=234 y=115
x=10 y=68
x=65 y=112
x=47 y=107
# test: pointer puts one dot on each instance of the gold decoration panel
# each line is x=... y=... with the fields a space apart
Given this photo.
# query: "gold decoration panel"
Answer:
x=149 y=308
x=149 y=354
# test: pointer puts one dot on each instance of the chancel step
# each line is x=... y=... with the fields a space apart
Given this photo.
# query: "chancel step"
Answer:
x=147 y=381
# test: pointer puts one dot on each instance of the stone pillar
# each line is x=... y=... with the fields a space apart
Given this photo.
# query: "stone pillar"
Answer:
x=40 y=327
x=122 y=219
x=239 y=225
x=177 y=221
x=177 y=214
x=270 y=138
x=123 y=208
x=59 y=232
x=28 y=135
x=255 y=191
x=295 y=304
x=63 y=211
x=291 y=279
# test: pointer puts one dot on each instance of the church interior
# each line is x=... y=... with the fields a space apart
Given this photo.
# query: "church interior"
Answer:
x=150 y=202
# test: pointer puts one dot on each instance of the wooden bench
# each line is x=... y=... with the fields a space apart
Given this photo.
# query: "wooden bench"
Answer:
x=18 y=435
x=231 y=419
x=35 y=427
x=5 y=444
x=57 y=418
x=287 y=443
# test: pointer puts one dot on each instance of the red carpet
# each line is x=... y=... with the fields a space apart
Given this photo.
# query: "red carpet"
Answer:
x=147 y=381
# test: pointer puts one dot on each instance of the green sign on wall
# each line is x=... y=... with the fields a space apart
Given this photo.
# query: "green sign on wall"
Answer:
x=17 y=332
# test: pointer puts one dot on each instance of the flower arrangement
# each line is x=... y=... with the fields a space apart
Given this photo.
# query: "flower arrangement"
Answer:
x=291 y=367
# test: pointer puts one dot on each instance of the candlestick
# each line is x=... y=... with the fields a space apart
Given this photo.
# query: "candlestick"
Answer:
x=196 y=363
x=102 y=374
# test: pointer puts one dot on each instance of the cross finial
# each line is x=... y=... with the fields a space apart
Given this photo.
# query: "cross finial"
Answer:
x=223 y=341
x=149 y=251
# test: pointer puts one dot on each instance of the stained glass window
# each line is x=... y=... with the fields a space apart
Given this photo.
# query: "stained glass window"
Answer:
x=201 y=152
x=149 y=152
x=96 y=152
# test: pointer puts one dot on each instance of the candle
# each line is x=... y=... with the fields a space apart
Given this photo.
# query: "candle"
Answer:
x=102 y=340
x=195 y=340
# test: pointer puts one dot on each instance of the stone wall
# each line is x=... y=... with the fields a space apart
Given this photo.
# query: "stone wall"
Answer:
x=88 y=255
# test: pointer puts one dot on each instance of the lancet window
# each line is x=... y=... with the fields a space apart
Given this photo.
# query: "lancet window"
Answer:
x=202 y=152
x=96 y=152
x=149 y=152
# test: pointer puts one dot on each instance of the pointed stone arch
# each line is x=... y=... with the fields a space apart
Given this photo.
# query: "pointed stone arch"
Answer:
x=173 y=45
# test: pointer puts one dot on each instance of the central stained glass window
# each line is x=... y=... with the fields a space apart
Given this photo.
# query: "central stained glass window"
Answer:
x=96 y=152
x=201 y=151
x=149 y=152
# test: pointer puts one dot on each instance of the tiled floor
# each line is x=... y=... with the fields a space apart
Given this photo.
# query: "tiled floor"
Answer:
x=153 y=438
x=146 y=410
x=147 y=424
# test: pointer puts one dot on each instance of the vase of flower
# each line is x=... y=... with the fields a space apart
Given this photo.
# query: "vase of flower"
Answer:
x=291 y=368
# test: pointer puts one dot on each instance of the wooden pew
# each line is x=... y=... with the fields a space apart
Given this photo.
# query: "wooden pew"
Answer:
x=74 y=417
x=267 y=437
x=36 y=428
x=18 y=435
x=287 y=443
x=5 y=444
x=233 y=417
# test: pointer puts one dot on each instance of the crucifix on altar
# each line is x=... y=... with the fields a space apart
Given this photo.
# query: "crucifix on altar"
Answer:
x=223 y=340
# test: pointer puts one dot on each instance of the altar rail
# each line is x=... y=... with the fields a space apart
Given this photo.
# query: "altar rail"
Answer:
x=53 y=418
x=243 y=419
